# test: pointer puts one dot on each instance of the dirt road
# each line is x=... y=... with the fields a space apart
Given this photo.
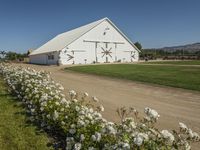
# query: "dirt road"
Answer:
x=173 y=104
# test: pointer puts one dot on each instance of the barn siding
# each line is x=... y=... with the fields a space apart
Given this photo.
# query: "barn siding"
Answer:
x=89 y=48
x=43 y=59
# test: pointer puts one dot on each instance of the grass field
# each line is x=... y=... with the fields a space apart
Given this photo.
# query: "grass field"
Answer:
x=175 y=76
x=193 y=62
x=15 y=133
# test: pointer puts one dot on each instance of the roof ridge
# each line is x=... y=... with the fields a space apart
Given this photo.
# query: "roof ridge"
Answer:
x=71 y=37
x=100 y=20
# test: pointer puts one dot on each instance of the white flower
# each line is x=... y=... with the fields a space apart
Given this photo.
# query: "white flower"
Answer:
x=183 y=126
x=168 y=136
x=81 y=123
x=72 y=93
x=72 y=131
x=57 y=103
x=77 y=146
x=77 y=108
x=125 y=146
x=61 y=87
x=86 y=94
x=75 y=100
x=101 y=108
x=93 y=137
x=153 y=114
x=91 y=110
x=187 y=146
x=44 y=103
x=96 y=137
x=68 y=139
x=95 y=99
x=138 y=140
x=62 y=122
x=82 y=137
x=144 y=136
x=193 y=135
x=55 y=115
x=57 y=97
x=32 y=110
x=130 y=122
x=111 y=130
x=190 y=133
x=63 y=101
x=48 y=116
x=73 y=126
x=196 y=136
x=41 y=108
x=36 y=96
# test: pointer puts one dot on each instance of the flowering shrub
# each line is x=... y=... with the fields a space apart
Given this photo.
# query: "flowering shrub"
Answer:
x=78 y=119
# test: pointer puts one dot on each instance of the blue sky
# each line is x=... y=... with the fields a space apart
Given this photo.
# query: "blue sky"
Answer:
x=26 y=24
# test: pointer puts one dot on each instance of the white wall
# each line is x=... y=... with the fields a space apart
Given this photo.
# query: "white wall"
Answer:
x=96 y=34
x=43 y=59
x=38 y=59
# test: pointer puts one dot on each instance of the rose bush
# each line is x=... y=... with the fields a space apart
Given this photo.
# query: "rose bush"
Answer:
x=79 y=122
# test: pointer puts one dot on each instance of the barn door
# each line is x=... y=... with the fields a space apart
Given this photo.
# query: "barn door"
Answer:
x=105 y=53
x=75 y=56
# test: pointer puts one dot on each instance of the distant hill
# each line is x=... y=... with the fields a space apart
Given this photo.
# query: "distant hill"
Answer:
x=189 y=47
x=189 y=52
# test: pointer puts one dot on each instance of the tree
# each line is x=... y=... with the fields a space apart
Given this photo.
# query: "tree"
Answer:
x=2 y=54
x=11 y=56
x=29 y=51
x=138 y=45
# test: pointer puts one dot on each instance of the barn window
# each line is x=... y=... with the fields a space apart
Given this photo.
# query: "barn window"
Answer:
x=51 y=57
x=105 y=30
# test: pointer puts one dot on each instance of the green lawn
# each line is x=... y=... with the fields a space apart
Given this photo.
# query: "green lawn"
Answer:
x=192 y=62
x=175 y=76
x=15 y=133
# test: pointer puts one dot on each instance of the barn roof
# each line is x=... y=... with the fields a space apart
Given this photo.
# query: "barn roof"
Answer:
x=62 y=40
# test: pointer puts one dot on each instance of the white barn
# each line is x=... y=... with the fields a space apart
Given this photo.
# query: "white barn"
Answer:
x=98 y=42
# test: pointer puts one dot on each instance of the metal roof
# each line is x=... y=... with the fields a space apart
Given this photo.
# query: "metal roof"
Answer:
x=62 y=40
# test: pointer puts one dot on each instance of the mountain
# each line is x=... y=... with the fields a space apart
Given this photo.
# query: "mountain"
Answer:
x=189 y=47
